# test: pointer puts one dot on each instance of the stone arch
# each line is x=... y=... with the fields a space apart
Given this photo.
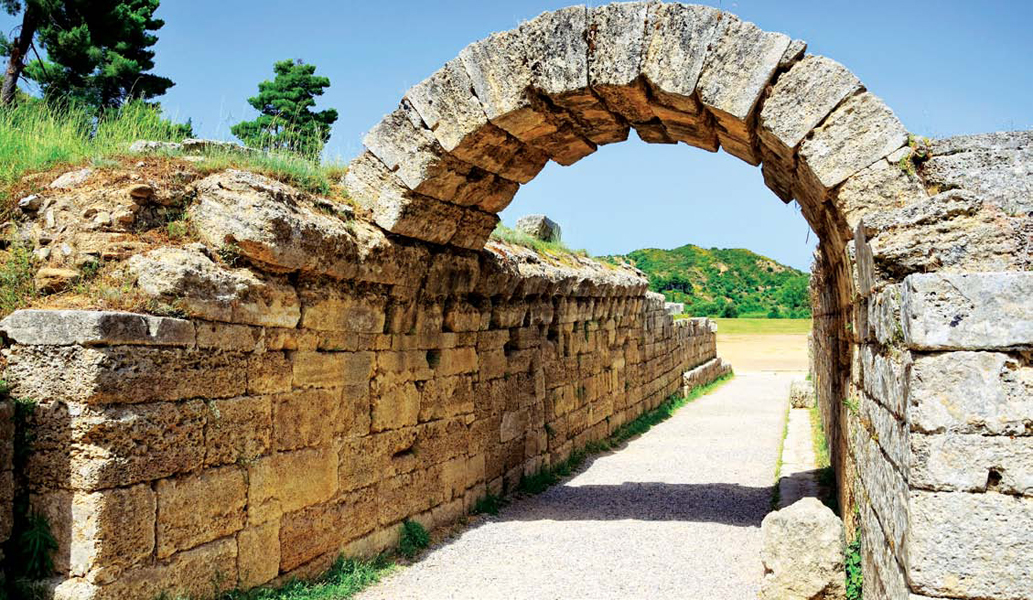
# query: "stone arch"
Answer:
x=893 y=339
x=456 y=150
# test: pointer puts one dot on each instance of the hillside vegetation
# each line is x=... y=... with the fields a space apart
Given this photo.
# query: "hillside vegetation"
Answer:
x=724 y=282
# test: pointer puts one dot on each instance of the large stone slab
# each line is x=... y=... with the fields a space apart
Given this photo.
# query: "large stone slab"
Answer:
x=741 y=62
x=997 y=167
x=985 y=393
x=969 y=545
x=92 y=327
x=616 y=41
x=677 y=38
x=856 y=135
x=972 y=463
x=803 y=553
x=968 y=311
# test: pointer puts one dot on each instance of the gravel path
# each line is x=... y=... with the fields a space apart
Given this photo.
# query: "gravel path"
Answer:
x=674 y=514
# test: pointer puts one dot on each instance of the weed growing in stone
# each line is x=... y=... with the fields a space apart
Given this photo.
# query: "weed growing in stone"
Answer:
x=826 y=474
x=343 y=580
x=854 y=578
x=489 y=504
x=413 y=539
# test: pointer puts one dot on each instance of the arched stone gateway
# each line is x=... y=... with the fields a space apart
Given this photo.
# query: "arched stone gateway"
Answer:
x=923 y=317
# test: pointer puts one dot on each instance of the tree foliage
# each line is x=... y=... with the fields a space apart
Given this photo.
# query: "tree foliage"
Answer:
x=97 y=52
x=724 y=282
x=287 y=120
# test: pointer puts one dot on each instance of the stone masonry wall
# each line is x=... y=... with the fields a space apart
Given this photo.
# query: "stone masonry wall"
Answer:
x=307 y=416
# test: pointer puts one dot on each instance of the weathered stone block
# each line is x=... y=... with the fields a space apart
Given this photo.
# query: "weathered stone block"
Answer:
x=986 y=554
x=803 y=553
x=967 y=311
x=990 y=165
x=856 y=135
x=617 y=47
x=305 y=418
x=269 y=373
x=119 y=446
x=986 y=393
x=880 y=186
x=288 y=481
x=395 y=407
x=199 y=508
x=237 y=429
x=325 y=528
x=972 y=463
x=194 y=573
x=332 y=369
x=741 y=61
x=89 y=328
x=111 y=530
x=258 y=554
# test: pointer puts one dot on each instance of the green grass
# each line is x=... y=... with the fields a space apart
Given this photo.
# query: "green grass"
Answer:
x=826 y=474
x=854 y=577
x=776 y=490
x=413 y=539
x=763 y=326
x=343 y=580
x=16 y=279
x=36 y=136
x=542 y=480
x=519 y=238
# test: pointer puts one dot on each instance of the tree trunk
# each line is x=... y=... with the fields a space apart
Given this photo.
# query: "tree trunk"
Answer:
x=19 y=48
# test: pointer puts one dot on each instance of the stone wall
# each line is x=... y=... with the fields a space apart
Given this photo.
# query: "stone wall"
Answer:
x=290 y=418
x=939 y=414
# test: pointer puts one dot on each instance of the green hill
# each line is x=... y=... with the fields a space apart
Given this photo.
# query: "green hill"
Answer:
x=723 y=282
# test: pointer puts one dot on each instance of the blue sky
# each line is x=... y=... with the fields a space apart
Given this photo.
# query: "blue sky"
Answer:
x=945 y=67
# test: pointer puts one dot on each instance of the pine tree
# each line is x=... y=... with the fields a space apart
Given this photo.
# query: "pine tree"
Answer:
x=17 y=49
x=97 y=51
x=287 y=121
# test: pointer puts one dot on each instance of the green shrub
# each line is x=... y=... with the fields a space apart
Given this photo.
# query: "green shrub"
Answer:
x=489 y=504
x=413 y=539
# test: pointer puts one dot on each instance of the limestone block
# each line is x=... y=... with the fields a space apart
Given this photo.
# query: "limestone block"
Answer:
x=858 y=133
x=445 y=397
x=325 y=528
x=122 y=445
x=227 y=336
x=514 y=425
x=886 y=378
x=199 y=508
x=288 y=481
x=616 y=41
x=883 y=575
x=972 y=463
x=971 y=311
x=989 y=553
x=742 y=60
x=269 y=373
x=237 y=429
x=395 y=407
x=451 y=275
x=359 y=463
x=194 y=573
x=993 y=166
x=341 y=311
x=332 y=369
x=880 y=186
x=453 y=114
x=186 y=278
x=90 y=327
x=891 y=433
x=556 y=46
x=462 y=316
x=409 y=150
x=304 y=418
x=985 y=393
x=501 y=79
x=799 y=101
x=803 y=553
x=884 y=486
x=539 y=227
x=454 y=361
x=111 y=530
x=258 y=554
x=474 y=228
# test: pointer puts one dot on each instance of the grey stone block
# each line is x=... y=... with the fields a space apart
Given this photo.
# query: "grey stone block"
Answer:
x=969 y=545
x=95 y=328
x=972 y=463
x=988 y=393
x=540 y=227
x=968 y=311
x=997 y=167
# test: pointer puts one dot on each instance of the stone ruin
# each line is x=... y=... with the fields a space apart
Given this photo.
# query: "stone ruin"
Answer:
x=359 y=372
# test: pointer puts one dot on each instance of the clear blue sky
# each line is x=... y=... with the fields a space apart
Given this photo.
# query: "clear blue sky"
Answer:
x=946 y=68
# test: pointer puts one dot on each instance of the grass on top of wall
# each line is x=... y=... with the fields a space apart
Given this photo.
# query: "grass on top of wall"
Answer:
x=37 y=136
x=519 y=238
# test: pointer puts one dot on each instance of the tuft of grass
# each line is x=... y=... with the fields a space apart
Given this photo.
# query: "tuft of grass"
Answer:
x=344 y=579
x=17 y=269
x=854 y=577
x=542 y=480
x=413 y=539
x=519 y=238
x=826 y=474
x=489 y=504
x=776 y=491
